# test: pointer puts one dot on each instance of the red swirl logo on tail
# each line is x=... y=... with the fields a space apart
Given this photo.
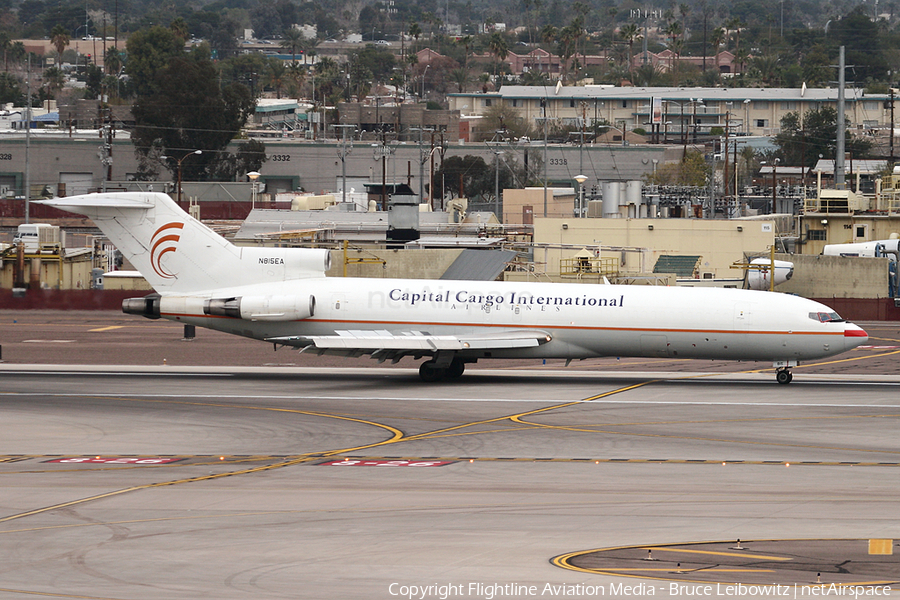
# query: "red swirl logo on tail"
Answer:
x=164 y=240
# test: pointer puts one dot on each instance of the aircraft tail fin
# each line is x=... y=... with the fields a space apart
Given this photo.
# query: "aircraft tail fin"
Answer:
x=176 y=253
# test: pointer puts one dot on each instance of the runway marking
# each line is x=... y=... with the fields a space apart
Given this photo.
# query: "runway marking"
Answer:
x=110 y=328
x=714 y=553
x=397 y=436
x=818 y=558
x=830 y=362
x=300 y=459
x=227 y=460
x=52 y=595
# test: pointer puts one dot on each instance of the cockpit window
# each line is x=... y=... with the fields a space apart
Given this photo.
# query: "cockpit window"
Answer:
x=826 y=317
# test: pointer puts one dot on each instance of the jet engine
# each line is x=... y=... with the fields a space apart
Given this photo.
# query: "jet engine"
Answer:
x=262 y=308
x=759 y=277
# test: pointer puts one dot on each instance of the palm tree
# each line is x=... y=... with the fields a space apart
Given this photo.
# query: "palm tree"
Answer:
x=5 y=44
x=735 y=25
x=415 y=31
x=568 y=36
x=578 y=31
x=768 y=68
x=718 y=36
x=293 y=40
x=296 y=75
x=499 y=48
x=180 y=28
x=673 y=31
x=648 y=75
x=684 y=9
x=630 y=33
x=277 y=75
x=581 y=9
x=534 y=78
x=112 y=61
x=54 y=80
x=548 y=36
x=461 y=78
x=59 y=37
x=741 y=55
x=466 y=42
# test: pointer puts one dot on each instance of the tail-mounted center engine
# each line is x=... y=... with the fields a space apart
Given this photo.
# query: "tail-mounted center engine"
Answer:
x=262 y=308
x=148 y=306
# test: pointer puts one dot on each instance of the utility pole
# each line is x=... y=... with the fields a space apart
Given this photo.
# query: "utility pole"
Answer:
x=544 y=111
x=839 y=146
x=343 y=151
x=725 y=155
x=423 y=157
x=495 y=146
x=892 y=130
x=28 y=140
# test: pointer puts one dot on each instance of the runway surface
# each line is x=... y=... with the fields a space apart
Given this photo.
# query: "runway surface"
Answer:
x=223 y=478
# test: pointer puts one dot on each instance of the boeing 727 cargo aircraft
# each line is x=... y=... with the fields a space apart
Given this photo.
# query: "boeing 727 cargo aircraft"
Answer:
x=281 y=295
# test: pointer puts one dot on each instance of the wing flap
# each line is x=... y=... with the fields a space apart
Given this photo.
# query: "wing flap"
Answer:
x=414 y=342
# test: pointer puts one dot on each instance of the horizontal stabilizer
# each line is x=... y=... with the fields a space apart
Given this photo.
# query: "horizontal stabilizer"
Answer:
x=78 y=204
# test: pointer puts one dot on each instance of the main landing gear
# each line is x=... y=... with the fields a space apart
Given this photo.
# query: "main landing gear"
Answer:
x=429 y=371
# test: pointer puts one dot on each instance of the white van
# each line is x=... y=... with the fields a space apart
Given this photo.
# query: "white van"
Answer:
x=37 y=235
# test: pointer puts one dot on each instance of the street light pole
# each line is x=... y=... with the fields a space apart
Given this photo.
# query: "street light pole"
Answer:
x=178 y=184
x=774 y=182
x=580 y=179
x=424 y=72
x=254 y=189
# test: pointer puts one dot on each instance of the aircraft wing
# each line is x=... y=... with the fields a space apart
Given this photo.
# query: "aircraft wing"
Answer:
x=384 y=345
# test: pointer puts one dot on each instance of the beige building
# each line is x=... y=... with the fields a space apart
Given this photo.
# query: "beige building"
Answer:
x=637 y=244
x=846 y=217
x=520 y=207
x=682 y=112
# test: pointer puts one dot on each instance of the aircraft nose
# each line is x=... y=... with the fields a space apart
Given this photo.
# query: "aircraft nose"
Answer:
x=854 y=335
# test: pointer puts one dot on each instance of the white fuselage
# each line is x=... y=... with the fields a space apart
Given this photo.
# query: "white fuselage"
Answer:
x=582 y=321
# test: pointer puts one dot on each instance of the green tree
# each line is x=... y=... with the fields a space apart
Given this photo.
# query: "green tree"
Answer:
x=188 y=110
x=801 y=143
x=149 y=51
x=475 y=175
x=10 y=90
x=502 y=117
x=93 y=81
x=250 y=156
x=692 y=170
x=179 y=27
x=864 y=44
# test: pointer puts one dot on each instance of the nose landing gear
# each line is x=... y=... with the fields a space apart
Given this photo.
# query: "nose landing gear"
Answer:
x=783 y=373
x=784 y=376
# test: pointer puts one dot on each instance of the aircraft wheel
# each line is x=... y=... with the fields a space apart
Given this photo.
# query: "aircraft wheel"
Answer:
x=429 y=373
x=456 y=369
x=784 y=376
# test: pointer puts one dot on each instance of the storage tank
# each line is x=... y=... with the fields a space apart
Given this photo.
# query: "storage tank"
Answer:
x=611 y=194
